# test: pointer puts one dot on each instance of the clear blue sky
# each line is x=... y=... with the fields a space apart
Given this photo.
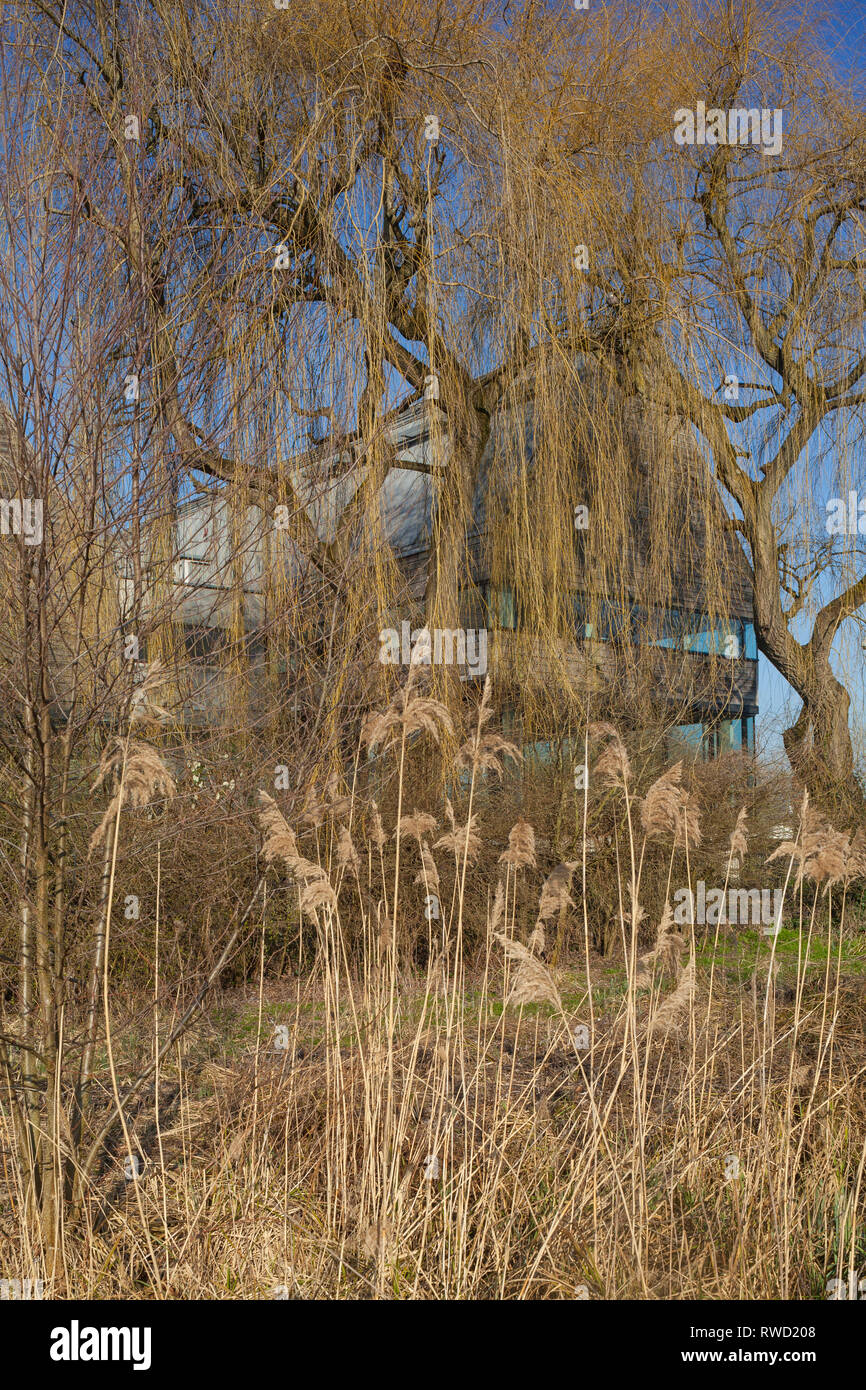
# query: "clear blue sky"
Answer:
x=842 y=28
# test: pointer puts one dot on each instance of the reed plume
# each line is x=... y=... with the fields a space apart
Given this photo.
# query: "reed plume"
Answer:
x=555 y=892
x=532 y=983
x=660 y=808
x=337 y=803
x=667 y=809
x=668 y=1016
x=407 y=714
x=140 y=781
x=312 y=810
x=613 y=766
x=498 y=910
x=418 y=824
x=537 y=939
x=428 y=875
x=823 y=855
x=462 y=840
x=377 y=830
x=689 y=832
x=668 y=948
x=857 y=855
x=143 y=708
x=481 y=751
x=280 y=841
x=521 y=846
x=347 y=855
x=739 y=839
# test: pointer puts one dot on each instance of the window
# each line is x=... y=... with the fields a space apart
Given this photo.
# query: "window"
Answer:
x=686 y=739
x=540 y=754
x=607 y=620
x=750 y=645
x=187 y=570
x=620 y=621
x=502 y=607
x=709 y=741
x=708 y=638
x=616 y=621
x=204 y=644
x=724 y=737
x=679 y=630
x=584 y=628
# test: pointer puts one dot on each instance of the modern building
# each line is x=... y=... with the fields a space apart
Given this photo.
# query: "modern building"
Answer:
x=703 y=670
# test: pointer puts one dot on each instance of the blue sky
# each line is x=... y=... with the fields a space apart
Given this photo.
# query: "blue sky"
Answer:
x=842 y=29
x=842 y=26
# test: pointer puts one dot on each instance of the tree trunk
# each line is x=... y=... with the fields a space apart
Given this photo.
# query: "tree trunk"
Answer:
x=452 y=515
x=818 y=743
x=819 y=749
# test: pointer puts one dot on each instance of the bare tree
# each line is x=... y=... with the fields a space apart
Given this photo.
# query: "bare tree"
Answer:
x=732 y=296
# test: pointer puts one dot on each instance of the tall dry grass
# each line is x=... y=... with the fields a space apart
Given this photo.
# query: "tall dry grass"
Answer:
x=492 y=1125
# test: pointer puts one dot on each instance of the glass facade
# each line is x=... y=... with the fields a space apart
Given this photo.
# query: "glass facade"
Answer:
x=502 y=608
x=606 y=620
x=712 y=740
x=686 y=738
x=676 y=629
x=703 y=741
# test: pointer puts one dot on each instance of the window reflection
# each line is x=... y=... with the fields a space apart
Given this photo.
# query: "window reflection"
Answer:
x=713 y=740
x=615 y=621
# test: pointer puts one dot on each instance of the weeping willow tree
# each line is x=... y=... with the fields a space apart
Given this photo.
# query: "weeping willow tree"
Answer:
x=239 y=240
x=328 y=211
x=738 y=308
